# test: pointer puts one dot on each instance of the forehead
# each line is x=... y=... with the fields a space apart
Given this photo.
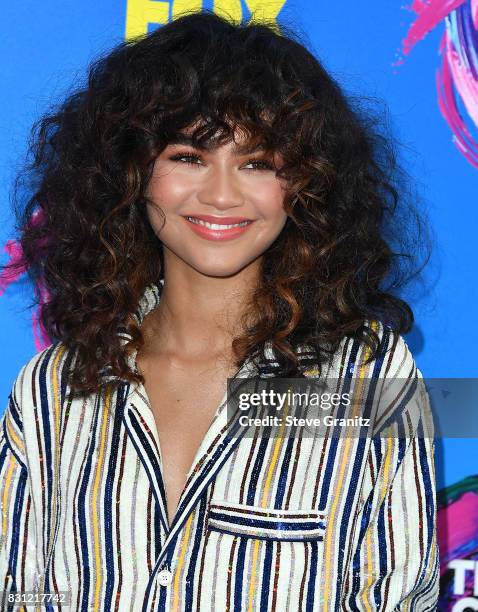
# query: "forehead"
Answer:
x=240 y=140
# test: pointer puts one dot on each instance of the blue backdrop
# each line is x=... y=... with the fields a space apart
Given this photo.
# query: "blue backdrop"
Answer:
x=46 y=46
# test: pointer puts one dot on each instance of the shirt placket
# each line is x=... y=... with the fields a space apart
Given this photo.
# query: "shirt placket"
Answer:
x=221 y=438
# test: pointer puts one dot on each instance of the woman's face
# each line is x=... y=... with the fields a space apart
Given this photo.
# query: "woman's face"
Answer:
x=223 y=186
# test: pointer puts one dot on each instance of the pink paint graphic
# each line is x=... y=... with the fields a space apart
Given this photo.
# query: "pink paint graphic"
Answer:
x=10 y=275
x=458 y=544
x=457 y=78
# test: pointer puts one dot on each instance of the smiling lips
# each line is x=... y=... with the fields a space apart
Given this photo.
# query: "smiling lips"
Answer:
x=218 y=228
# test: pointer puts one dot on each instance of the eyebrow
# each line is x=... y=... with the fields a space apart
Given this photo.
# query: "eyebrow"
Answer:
x=186 y=139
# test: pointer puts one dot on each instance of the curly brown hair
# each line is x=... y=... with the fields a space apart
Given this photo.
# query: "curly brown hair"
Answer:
x=94 y=250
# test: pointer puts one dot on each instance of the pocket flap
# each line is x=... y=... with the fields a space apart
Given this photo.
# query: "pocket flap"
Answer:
x=266 y=523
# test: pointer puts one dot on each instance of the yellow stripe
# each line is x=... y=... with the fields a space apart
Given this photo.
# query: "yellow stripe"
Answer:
x=13 y=435
x=96 y=486
x=11 y=466
x=312 y=372
x=180 y=563
x=345 y=459
x=275 y=456
x=252 y=584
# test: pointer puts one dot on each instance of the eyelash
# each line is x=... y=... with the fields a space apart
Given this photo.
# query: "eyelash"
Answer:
x=189 y=156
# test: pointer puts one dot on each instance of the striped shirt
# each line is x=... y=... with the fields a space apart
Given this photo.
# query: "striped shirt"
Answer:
x=263 y=523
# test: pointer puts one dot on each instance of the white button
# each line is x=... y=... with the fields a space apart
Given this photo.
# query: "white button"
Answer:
x=165 y=577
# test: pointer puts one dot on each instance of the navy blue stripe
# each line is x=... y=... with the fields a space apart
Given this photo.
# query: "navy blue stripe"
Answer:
x=14 y=412
x=285 y=469
x=46 y=414
x=266 y=574
x=193 y=564
x=402 y=447
x=9 y=445
x=239 y=574
x=430 y=507
x=15 y=526
x=82 y=512
x=257 y=468
x=3 y=454
x=163 y=590
x=382 y=553
x=309 y=601
x=110 y=553
x=356 y=566
x=157 y=528
x=366 y=512
x=248 y=521
x=46 y=437
x=147 y=452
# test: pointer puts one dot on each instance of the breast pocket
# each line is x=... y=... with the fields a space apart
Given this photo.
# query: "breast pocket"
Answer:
x=304 y=525
x=262 y=559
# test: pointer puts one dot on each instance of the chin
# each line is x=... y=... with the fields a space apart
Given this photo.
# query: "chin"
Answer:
x=220 y=269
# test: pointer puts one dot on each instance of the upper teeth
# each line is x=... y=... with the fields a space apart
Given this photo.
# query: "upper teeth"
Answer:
x=216 y=226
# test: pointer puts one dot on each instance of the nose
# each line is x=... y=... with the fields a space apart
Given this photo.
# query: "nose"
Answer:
x=221 y=189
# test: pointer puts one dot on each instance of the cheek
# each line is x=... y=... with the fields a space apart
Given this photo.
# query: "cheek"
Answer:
x=167 y=189
x=269 y=199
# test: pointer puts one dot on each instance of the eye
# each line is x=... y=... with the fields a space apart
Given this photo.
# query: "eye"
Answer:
x=191 y=159
x=260 y=164
x=186 y=156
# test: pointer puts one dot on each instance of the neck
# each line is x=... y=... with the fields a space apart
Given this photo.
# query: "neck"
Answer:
x=199 y=315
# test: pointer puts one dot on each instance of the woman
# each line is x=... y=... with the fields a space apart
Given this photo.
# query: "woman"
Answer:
x=211 y=207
